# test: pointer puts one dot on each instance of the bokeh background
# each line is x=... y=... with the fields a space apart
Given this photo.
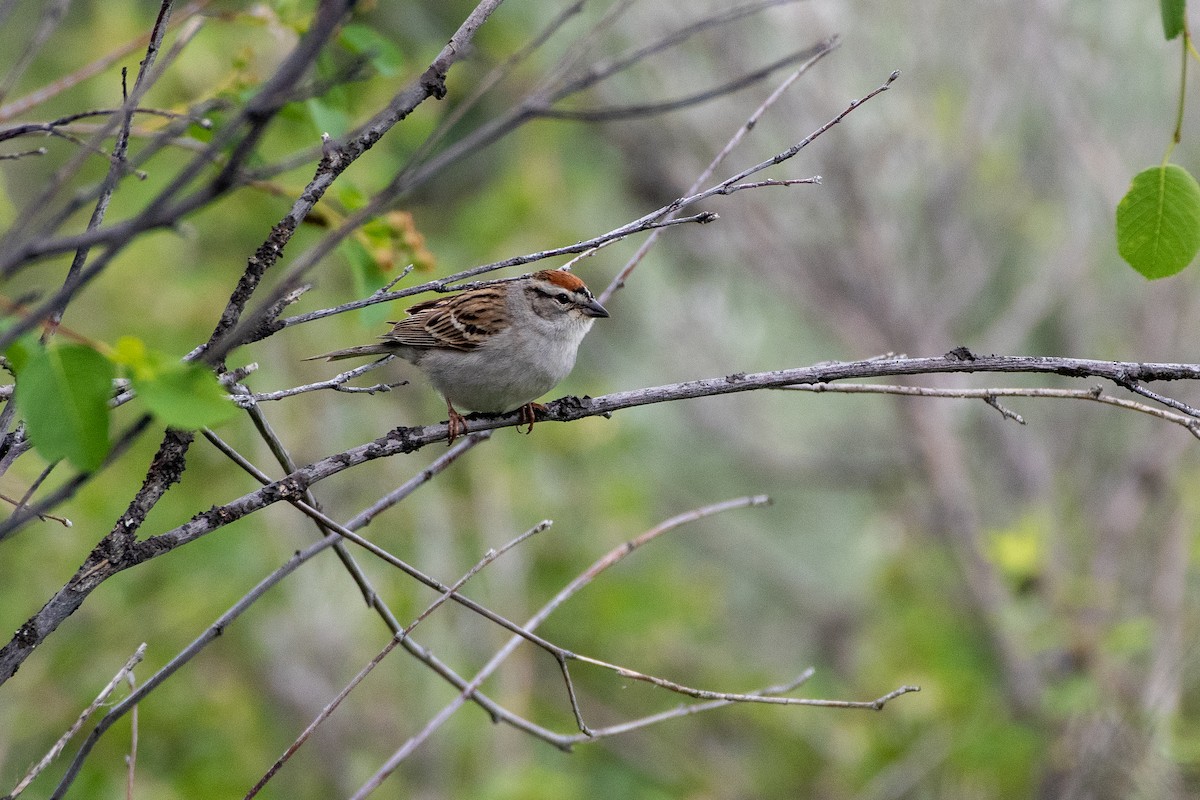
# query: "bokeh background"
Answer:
x=1037 y=581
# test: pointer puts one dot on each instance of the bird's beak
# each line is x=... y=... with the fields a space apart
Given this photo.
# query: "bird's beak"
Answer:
x=593 y=309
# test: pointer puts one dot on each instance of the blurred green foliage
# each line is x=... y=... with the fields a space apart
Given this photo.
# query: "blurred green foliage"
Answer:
x=954 y=210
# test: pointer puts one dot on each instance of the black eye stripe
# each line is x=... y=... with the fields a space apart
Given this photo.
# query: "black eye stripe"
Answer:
x=562 y=297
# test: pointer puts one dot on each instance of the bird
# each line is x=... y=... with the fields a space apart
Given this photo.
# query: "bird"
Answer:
x=495 y=348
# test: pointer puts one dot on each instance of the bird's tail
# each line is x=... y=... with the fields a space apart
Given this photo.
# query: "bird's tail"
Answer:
x=354 y=352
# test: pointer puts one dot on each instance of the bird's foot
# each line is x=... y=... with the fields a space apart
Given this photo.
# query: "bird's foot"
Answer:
x=528 y=414
x=455 y=426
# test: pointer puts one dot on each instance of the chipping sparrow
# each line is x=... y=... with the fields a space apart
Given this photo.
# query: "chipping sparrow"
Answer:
x=495 y=348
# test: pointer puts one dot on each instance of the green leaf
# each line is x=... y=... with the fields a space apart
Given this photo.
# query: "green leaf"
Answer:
x=383 y=55
x=131 y=352
x=327 y=117
x=178 y=394
x=20 y=351
x=1158 y=221
x=62 y=392
x=186 y=396
x=1172 y=17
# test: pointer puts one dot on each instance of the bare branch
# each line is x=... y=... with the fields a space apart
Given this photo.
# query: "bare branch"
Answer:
x=1169 y=402
x=364 y=518
x=686 y=710
x=52 y=15
x=646 y=222
x=815 y=180
x=125 y=672
x=184 y=656
x=23 y=104
x=329 y=708
x=46 y=128
x=131 y=759
x=66 y=523
x=240 y=135
x=450 y=283
x=601 y=72
x=704 y=694
x=492 y=78
x=405 y=440
x=616 y=113
x=117 y=167
x=37 y=151
x=337 y=383
x=496 y=711
x=263 y=324
x=337 y=157
x=614 y=556
x=1094 y=394
x=68 y=489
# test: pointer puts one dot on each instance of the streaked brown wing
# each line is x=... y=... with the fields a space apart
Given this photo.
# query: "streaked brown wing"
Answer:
x=461 y=321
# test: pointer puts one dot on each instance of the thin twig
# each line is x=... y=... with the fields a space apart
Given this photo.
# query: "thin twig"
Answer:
x=20 y=505
x=1094 y=394
x=1169 y=402
x=261 y=323
x=687 y=709
x=717 y=699
x=602 y=72
x=53 y=14
x=649 y=221
x=131 y=759
x=332 y=705
x=616 y=113
x=184 y=656
x=67 y=490
x=66 y=523
x=614 y=556
x=815 y=180
x=451 y=283
x=824 y=49
x=705 y=694
x=337 y=383
x=494 y=76
x=101 y=698
x=117 y=167
x=368 y=591
x=231 y=146
x=37 y=151
x=497 y=712
x=45 y=128
x=21 y=105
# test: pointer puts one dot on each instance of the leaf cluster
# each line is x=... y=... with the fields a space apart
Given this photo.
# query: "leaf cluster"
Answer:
x=66 y=393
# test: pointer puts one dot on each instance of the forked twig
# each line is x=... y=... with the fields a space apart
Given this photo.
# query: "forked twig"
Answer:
x=989 y=396
x=494 y=663
x=332 y=705
x=741 y=133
